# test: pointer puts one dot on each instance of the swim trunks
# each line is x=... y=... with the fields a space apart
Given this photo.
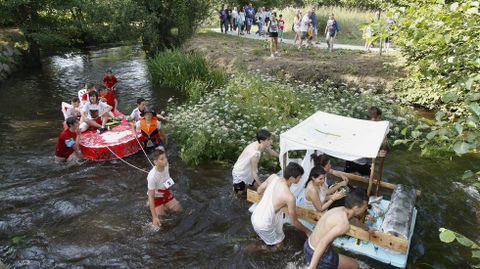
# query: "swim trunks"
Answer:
x=329 y=260
x=167 y=197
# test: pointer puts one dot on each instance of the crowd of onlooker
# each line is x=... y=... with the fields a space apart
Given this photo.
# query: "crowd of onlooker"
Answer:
x=304 y=25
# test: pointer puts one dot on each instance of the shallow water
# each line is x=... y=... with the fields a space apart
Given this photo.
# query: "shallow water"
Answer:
x=96 y=214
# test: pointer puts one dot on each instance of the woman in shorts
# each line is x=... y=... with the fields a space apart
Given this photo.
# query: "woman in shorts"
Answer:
x=273 y=34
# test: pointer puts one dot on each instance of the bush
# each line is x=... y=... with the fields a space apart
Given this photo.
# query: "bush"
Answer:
x=222 y=122
x=185 y=71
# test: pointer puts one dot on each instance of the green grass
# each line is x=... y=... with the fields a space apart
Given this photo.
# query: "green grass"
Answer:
x=184 y=71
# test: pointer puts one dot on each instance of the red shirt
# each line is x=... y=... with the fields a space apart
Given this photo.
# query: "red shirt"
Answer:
x=281 y=24
x=109 y=81
x=65 y=143
x=110 y=96
x=85 y=97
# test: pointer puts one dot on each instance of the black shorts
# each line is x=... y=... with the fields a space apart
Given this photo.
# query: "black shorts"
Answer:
x=237 y=187
x=388 y=39
x=329 y=259
x=273 y=34
x=352 y=167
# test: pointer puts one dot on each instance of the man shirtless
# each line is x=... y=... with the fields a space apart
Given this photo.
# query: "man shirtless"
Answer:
x=267 y=218
x=334 y=223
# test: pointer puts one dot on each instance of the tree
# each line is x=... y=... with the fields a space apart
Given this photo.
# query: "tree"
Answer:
x=167 y=23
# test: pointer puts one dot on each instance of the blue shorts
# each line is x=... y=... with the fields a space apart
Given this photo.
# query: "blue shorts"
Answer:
x=329 y=260
x=249 y=21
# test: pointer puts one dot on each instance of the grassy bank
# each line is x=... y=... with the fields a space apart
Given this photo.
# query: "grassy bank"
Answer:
x=233 y=54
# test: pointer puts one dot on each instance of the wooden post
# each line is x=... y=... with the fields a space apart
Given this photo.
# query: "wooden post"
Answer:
x=372 y=174
x=284 y=162
x=378 y=238
x=380 y=172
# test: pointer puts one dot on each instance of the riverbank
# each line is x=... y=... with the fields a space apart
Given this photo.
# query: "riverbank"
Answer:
x=10 y=52
x=358 y=68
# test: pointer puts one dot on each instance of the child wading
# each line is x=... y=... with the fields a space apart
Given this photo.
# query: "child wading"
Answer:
x=160 y=198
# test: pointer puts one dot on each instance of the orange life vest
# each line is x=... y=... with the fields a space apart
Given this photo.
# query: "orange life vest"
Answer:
x=149 y=131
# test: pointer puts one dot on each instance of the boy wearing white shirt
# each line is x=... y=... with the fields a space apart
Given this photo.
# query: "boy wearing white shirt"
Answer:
x=160 y=198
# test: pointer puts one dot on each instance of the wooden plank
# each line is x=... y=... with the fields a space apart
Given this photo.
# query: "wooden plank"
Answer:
x=365 y=180
x=379 y=238
x=370 y=181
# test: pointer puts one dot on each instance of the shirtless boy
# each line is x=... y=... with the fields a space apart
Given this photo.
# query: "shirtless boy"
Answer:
x=160 y=198
x=334 y=223
x=245 y=170
x=267 y=218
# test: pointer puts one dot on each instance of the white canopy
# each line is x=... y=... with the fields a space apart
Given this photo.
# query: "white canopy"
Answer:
x=341 y=137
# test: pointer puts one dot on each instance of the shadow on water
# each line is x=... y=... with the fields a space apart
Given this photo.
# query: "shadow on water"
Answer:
x=96 y=214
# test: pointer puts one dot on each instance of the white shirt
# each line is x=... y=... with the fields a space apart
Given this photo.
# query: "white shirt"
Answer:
x=156 y=180
x=94 y=110
x=135 y=114
x=304 y=24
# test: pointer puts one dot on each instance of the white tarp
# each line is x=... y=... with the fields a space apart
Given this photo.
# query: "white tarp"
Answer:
x=341 y=137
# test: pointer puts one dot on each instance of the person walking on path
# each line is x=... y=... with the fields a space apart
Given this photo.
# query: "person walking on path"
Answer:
x=223 y=19
x=331 y=30
x=273 y=34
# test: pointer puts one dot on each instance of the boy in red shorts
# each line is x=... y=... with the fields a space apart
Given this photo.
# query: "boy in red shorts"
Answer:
x=160 y=198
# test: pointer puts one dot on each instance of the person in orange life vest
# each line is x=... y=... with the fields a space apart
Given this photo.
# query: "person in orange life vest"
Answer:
x=67 y=149
x=108 y=96
x=109 y=80
x=150 y=127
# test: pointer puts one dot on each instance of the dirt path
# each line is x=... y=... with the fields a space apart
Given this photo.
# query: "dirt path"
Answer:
x=321 y=45
x=353 y=67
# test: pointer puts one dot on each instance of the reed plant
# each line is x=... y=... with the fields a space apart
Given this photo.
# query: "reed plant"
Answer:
x=179 y=70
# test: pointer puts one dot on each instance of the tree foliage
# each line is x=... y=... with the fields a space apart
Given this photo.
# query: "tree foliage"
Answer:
x=440 y=44
x=167 y=23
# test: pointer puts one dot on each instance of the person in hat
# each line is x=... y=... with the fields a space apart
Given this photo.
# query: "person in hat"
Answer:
x=109 y=80
x=67 y=149
x=150 y=126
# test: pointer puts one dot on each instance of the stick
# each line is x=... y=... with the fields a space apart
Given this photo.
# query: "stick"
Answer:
x=380 y=172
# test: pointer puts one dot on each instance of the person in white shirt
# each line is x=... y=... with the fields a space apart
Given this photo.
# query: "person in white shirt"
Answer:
x=160 y=198
x=304 y=26
x=138 y=111
x=245 y=170
x=95 y=113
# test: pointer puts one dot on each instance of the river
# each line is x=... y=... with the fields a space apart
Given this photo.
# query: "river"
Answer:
x=95 y=215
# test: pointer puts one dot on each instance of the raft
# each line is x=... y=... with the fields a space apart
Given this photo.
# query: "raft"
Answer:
x=350 y=139
x=119 y=140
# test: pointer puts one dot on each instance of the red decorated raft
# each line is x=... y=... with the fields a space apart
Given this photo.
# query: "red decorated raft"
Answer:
x=119 y=139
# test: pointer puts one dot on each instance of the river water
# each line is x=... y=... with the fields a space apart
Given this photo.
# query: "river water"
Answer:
x=95 y=215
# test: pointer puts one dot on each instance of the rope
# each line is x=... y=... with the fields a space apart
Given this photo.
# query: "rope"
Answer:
x=120 y=158
x=135 y=134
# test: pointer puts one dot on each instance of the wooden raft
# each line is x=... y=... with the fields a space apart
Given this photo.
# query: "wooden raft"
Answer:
x=378 y=238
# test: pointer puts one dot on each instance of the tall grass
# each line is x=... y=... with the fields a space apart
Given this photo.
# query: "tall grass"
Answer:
x=184 y=71
x=348 y=18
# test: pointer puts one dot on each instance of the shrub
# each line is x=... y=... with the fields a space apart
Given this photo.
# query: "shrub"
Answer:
x=219 y=124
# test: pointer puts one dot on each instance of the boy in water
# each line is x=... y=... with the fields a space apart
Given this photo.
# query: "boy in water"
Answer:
x=152 y=134
x=109 y=80
x=267 y=218
x=67 y=149
x=160 y=198
x=245 y=170
x=334 y=223
x=138 y=112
